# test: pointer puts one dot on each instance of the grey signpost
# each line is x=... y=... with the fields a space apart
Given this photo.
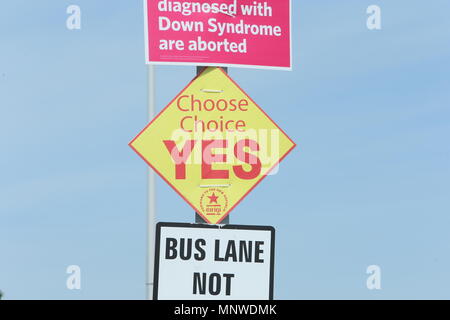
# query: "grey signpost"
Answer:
x=198 y=218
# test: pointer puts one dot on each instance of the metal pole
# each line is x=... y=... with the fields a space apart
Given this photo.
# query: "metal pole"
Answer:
x=198 y=218
x=151 y=208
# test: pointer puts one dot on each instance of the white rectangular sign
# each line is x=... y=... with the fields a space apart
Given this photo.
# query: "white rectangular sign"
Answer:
x=213 y=262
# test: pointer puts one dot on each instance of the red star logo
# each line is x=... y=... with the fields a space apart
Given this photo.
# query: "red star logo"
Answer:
x=213 y=198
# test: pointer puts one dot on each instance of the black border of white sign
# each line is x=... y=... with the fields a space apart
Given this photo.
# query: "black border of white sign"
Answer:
x=161 y=225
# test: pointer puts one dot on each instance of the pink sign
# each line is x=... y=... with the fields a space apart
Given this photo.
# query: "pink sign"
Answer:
x=239 y=33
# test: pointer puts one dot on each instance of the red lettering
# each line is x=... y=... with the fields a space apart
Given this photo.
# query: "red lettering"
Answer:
x=182 y=124
x=209 y=158
x=180 y=157
x=243 y=103
x=247 y=158
x=179 y=103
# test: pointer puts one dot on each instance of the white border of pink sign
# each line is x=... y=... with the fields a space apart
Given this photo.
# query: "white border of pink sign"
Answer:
x=211 y=33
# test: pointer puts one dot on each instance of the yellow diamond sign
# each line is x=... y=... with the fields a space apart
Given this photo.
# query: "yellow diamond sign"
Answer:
x=213 y=144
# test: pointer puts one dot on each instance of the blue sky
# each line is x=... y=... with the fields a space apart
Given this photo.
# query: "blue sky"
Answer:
x=367 y=184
